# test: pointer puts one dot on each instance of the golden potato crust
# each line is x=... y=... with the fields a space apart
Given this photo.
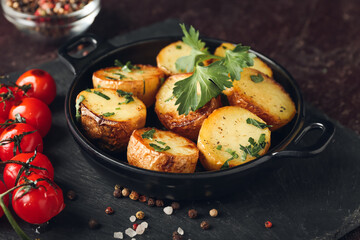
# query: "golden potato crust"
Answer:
x=181 y=157
x=266 y=99
x=223 y=132
x=185 y=125
x=143 y=82
x=110 y=132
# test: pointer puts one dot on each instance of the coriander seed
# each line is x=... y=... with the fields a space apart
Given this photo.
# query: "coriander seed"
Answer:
x=140 y=215
x=125 y=192
x=117 y=193
x=205 y=225
x=117 y=186
x=175 y=205
x=134 y=195
x=192 y=213
x=213 y=212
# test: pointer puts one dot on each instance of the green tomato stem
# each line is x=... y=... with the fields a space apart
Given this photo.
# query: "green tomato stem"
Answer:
x=10 y=217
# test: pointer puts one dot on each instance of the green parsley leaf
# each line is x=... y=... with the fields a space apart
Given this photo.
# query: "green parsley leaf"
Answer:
x=117 y=108
x=212 y=80
x=219 y=147
x=234 y=155
x=128 y=67
x=178 y=46
x=88 y=90
x=117 y=63
x=98 y=86
x=148 y=134
x=191 y=38
x=257 y=78
x=254 y=148
x=162 y=80
x=161 y=142
x=158 y=148
x=108 y=114
x=111 y=78
x=121 y=76
x=102 y=95
x=257 y=123
x=127 y=95
x=77 y=107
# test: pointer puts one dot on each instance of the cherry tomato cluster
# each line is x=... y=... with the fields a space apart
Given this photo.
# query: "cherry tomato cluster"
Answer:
x=25 y=119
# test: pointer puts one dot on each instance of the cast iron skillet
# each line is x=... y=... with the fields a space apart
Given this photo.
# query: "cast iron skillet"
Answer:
x=201 y=184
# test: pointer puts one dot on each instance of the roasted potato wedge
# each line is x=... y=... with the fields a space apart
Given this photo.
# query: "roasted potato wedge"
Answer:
x=110 y=118
x=162 y=151
x=267 y=99
x=222 y=134
x=185 y=125
x=143 y=81
x=258 y=63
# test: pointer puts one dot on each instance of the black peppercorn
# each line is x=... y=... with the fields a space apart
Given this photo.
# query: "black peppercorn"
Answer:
x=117 y=193
x=205 y=225
x=151 y=202
x=71 y=195
x=93 y=224
x=192 y=213
x=159 y=203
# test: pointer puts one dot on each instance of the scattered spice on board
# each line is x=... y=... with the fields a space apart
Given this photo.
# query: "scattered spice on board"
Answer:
x=109 y=210
x=268 y=224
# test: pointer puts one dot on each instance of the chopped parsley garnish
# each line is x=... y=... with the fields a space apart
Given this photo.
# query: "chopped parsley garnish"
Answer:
x=254 y=148
x=127 y=67
x=257 y=123
x=88 y=90
x=121 y=76
x=102 y=95
x=127 y=95
x=162 y=80
x=219 y=147
x=234 y=155
x=158 y=148
x=170 y=98
x=178 y=46
x=257 y=78
x=108 y=114
x=117 y=108
x=161 y=142
x=111 y=78
x=77 y=107
x=212 y=79
x=148 y=134
x=98 y=86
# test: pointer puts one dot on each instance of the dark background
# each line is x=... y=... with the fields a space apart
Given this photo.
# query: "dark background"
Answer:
x=317 y=41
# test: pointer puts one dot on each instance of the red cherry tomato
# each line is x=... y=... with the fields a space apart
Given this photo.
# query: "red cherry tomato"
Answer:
x=2 y=120
x=36 y=113
x=43 y=86
x=26 y=141
x=11 y=170
x=6 y=198
x=8 y=97
x=40 y=203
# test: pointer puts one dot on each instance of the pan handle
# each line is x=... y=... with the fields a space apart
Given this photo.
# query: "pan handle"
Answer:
x=327 y=133
x=77 y=64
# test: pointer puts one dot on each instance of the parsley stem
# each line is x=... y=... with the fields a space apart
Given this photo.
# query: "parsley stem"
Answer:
x=10 y=217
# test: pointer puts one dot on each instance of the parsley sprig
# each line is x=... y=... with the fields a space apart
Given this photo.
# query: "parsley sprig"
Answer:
x=257 y=124
x=211 y=79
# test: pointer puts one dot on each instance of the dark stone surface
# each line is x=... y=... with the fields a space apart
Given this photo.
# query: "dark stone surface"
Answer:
x=317 y=41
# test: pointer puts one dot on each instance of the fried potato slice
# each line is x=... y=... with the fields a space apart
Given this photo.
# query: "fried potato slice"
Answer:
x=222 y=134
x=162 y=151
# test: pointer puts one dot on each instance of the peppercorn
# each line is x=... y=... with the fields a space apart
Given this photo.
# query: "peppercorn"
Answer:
x=142 y=198
x=71 y=195
x=205 y=225
x=93 y=224
x=134 y=195
x=117 y=193
x=213 y=212
x=151 y=202
x=135 y=225
x=268 y=224
x=159 y=203
x=117 y=186
x=175 y=205
x=176 y=236
x=192 y=213
x=140 y=215
x=109 y=210
x=125 y=192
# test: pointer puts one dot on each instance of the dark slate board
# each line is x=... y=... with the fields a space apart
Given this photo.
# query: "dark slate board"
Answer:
x=315 y=198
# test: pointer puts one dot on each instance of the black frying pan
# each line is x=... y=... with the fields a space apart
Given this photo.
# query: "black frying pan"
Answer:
x=201 y=184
